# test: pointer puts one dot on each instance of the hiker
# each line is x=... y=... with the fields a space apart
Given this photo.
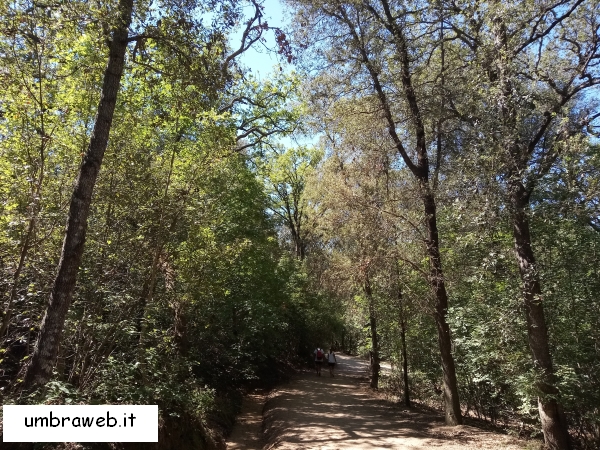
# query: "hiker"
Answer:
x=331 y=361
x=319 y=355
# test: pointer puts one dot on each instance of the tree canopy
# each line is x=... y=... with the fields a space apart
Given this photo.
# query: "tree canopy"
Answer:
x=418 y=183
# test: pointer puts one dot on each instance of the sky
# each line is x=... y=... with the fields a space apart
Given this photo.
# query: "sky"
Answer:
x=263 y=62
x=260 y=61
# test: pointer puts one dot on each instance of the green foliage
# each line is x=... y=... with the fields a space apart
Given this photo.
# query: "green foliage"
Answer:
x=501 y=96
x=184 y=297
x=217 y=258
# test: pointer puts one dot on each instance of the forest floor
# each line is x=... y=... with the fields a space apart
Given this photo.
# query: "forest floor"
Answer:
x=312 y=412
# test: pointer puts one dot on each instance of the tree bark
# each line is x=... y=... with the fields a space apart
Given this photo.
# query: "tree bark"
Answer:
x=403 y=344
x=300 y=248
x=46 y=349
x=375 y=366
x=450 y=388
x=293 y=218
x=404 y=364
x=16 y=276
x=554 y=426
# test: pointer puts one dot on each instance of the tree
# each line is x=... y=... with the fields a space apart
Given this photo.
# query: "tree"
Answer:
x=537 y=60
x=42 y=361
x=31 y=81
x=286 y=174
x=46 y=350
x=379 y=40
x=358 y=186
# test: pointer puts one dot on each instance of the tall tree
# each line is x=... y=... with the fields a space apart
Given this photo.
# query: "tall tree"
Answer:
x=539 y=59
x=174 y=36
x=357 y=187
x=380 y=39
x=46 y=350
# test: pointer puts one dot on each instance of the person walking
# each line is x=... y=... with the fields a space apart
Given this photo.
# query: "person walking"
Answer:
x=331 y=361
x=319 y=356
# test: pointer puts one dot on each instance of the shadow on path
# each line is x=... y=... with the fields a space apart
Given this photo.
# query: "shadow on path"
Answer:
x=314 y=412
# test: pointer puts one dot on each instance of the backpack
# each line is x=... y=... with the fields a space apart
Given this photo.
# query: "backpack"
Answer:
x=319 y=353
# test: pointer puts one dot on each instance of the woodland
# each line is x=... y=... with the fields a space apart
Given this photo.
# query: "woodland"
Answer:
x=417 y=182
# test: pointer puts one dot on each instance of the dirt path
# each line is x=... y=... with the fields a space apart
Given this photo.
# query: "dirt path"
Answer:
x=341 y=413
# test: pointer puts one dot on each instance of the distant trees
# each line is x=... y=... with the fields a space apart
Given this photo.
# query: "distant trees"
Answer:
x=286 y=173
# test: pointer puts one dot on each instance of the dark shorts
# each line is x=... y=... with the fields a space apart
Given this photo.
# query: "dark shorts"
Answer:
x=318 y=363
x=331 y=364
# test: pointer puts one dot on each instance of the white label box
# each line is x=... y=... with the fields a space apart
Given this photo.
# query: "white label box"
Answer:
x=80 y=423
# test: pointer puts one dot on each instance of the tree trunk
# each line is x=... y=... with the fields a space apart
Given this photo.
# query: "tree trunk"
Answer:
x=402 y=320
x=374 y=339
x=45 y=353
x=420 y=170
x=404 y=364
x=146 y=301
x=554 y=426
x=300 y=248
x=450 y=388
x=294 y=226
x=17 y=274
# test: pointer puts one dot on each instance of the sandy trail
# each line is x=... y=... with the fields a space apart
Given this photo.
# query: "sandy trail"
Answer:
x=325 y=413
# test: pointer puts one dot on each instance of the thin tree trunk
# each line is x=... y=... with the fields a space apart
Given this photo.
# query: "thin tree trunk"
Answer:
x=375 y=366
x=300 y=248
x=180 y=329
x=149 y=286
x=35 y=200
x=147 y=296
x=554 y=426
x=403 y=343
x=404 y=364
x=450 y=388
x=45 y=353
x=420 y=170
x=294 y=225
x=17 y=274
